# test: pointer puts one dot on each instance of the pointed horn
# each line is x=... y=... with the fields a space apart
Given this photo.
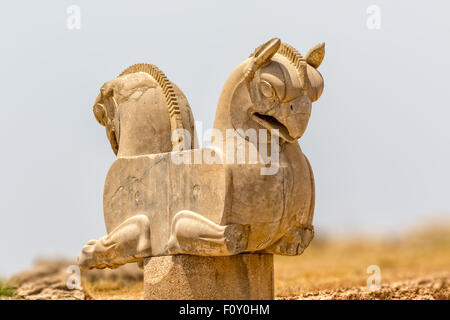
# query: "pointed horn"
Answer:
x=261 y=56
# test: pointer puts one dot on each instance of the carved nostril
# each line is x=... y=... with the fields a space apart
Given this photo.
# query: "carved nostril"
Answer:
x=292 y=108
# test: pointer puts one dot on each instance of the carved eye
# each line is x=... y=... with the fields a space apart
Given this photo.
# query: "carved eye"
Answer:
x=266 y=89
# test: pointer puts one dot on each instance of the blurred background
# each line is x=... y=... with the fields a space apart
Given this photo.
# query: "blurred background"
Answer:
x=378 y=139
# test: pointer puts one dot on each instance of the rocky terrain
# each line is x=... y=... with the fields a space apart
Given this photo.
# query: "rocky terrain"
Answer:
x=435 y=287
x=414 y=265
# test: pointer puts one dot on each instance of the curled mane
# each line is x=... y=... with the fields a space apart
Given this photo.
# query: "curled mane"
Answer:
x=167 y=88
x=297 y=60
x=292 y=54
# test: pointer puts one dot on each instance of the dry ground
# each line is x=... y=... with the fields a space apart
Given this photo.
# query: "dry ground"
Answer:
x=415 y=265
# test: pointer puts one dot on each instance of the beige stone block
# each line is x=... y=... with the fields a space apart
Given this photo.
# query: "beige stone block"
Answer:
x=178 y=277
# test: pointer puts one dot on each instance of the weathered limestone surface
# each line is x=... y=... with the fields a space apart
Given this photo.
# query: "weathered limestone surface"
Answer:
x=217 y=217
x=186 y=277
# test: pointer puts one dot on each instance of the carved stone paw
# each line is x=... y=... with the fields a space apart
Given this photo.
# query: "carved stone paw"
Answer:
x=287 y=248
x=92 y=255
x=294 y=242
x=236 y=237
x=86 y=259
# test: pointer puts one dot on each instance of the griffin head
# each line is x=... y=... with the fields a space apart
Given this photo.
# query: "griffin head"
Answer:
x=282 y=86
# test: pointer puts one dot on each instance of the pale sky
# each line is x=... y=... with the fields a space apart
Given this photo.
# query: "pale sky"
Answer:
x=378 y=139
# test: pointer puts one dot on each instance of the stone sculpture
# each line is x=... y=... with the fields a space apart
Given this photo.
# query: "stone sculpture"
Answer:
x=189 y=219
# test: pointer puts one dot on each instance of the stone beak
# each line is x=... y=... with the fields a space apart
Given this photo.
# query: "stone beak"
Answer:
x=290 y=120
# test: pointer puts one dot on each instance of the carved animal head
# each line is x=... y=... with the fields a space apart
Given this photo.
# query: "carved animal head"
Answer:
x=282 y=86
x=140 y=110
x=105 y=108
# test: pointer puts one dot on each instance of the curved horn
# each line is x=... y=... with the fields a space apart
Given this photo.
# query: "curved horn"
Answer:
x=261 y=55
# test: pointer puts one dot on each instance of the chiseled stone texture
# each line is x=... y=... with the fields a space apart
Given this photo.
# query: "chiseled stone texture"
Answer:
x=187 y=277
x=221 y=200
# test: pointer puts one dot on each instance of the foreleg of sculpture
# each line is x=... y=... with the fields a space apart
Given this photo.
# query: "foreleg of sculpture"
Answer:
x=191 y=233
x=128 y=242
x=294 y=242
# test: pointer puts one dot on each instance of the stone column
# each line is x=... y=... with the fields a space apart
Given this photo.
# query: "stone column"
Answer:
x=177 y=277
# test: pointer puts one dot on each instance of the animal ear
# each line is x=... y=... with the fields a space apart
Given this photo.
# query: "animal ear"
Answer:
x=103 y=111
x=261 y=55
x=100 y=113
x=315 y=55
